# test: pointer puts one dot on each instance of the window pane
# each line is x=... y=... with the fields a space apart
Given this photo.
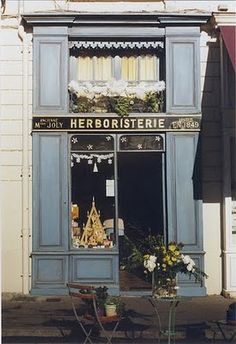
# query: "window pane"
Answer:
x=92 y=142
x=129 y=68
x=141 y=142
x=148 y=68
x=92 y=192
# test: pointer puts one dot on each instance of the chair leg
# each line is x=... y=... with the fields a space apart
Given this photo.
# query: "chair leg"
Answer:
x=87 y=334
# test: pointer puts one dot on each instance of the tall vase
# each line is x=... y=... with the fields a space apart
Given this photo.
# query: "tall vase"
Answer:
x=166 y=288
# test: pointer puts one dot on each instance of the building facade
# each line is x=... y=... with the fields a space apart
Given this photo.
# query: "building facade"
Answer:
x=80 y=185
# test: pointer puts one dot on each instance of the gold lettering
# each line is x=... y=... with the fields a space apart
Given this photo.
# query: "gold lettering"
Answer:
x=126 y=123
x=114 y=123
x=89 y=123
x=148 y=123
x=37 y=125
x=98 y=123
x=81 y=122
x=140 y=123
x=132 y=120
x=161 y=123
x=73 y=123
x=106 y=123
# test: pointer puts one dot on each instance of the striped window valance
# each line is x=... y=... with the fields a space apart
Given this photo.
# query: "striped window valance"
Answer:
x=115 y=47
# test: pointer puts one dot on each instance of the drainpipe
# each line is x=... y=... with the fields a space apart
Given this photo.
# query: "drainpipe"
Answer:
x=25 y=230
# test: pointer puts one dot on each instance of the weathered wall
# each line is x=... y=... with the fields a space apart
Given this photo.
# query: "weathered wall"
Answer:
x=16 y=113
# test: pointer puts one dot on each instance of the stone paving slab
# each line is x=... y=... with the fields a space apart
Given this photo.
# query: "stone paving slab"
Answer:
x=31 y=319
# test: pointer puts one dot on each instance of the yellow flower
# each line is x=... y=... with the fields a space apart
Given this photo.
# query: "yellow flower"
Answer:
x=176 y=253
x=172 y=247
x=173 y=259
x=146 y=256
x=163 y=249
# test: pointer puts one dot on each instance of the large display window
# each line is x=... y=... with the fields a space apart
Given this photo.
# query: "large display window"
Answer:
x=92 y=190
x=117 y=196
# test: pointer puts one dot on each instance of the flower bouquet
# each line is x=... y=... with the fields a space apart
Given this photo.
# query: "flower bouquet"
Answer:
x=116 y=96
x=164 y=262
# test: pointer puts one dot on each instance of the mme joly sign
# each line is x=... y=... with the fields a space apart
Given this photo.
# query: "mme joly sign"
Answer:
x=106 y=123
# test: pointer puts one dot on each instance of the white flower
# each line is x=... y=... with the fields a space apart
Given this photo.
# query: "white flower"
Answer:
x=131 y=91
x=153 y=259
x=151 y=88
x=189 y=267
x=73 y=86
x=88 y=86
x=190 y=264
x=140 y=92
x=99 y=89
x=151 y=266
x=160 y=86
x=186 y=259
x=117 y=87
x=150 y=263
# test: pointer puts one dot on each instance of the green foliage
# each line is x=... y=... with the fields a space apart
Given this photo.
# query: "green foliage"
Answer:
x=119 y=105
x=102 y=296
x=151 y=102
x=84 y=104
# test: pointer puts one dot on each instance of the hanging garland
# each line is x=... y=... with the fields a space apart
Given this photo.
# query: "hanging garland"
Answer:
x=99 y=157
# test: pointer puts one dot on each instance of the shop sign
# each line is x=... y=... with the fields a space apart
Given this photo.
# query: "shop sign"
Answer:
x=139 y=123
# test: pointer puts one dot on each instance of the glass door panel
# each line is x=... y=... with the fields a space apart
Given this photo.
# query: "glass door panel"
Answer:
x=92 y=192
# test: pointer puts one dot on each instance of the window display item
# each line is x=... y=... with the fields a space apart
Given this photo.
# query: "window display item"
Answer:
x=109 y=226
x=93 y=232
x=74 y=211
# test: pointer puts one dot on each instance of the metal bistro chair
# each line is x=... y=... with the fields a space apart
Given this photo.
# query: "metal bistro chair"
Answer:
x=88 y=321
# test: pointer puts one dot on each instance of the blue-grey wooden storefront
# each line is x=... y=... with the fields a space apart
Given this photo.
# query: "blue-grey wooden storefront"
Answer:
x=54 y=263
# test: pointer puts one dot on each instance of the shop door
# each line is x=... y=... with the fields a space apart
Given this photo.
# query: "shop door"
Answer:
x=140 y=197
x=140 y=208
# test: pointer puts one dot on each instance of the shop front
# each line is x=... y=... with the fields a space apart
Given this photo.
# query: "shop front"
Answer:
x=116 y=146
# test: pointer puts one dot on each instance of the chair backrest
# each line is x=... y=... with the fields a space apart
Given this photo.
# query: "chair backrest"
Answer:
x=81 y=291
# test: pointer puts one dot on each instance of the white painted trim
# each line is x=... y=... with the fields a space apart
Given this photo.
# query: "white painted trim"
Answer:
x=25 y=229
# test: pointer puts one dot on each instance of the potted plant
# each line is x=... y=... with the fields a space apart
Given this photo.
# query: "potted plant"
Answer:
x=101 y=297
x=113 y=306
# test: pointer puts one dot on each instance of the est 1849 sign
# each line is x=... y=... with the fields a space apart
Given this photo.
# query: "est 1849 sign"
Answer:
x=139 y=123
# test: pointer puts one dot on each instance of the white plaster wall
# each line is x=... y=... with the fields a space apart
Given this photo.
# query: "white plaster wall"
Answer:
x=11 y=109
x=11 y=102
x=212 y=242
x=16 y=7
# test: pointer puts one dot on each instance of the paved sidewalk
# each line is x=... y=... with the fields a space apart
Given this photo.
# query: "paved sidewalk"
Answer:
x=30 y=319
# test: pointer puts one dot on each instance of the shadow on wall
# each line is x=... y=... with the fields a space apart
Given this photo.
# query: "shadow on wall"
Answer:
x=211 y=142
